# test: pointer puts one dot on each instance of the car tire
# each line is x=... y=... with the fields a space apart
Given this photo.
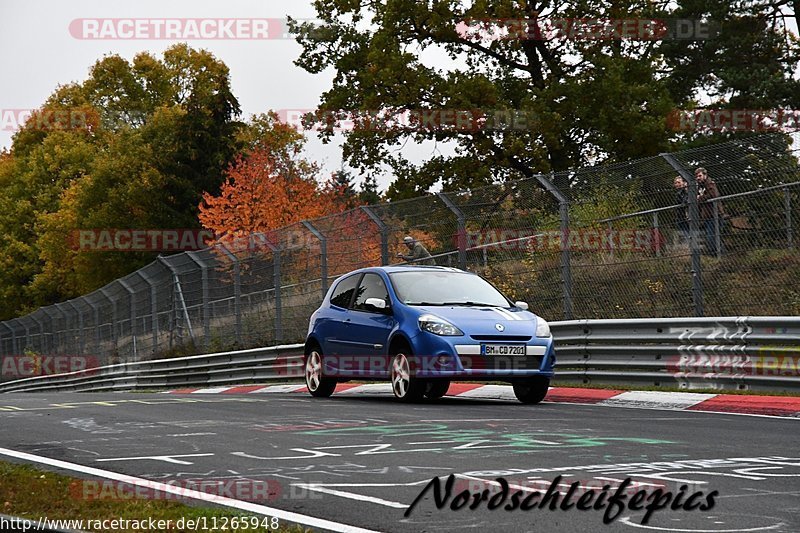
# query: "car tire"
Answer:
x=532 y=390
x=318 y=385
x=436 y=388
x=405 y=386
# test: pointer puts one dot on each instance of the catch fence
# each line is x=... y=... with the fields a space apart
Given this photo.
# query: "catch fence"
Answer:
x=612 y=241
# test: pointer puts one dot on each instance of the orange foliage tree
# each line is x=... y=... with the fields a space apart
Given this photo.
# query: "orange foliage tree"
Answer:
x=257 y=197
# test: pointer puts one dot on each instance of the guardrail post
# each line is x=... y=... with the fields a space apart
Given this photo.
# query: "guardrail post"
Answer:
x=132 y=296
x=787 y=205
x=204 y=289
x=694 y=230
x=237 y=290
x=462 y=229
x=384 y=229
x=153 y=308
x=323 y=244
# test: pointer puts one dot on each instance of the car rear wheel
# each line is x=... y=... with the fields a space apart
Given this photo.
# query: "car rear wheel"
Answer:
x=531 y=390
x=436 y=388
x=405 y=386
x=318 y=385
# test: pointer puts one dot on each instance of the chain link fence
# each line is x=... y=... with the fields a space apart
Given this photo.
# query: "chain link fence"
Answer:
x=612 y=241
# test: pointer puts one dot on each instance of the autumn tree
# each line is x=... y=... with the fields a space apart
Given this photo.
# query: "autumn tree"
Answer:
x=142 y=141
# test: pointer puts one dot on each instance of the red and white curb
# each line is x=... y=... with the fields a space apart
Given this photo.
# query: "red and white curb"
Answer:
x=783 y=406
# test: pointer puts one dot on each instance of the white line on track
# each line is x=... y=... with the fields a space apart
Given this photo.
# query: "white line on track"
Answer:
x=288 y=516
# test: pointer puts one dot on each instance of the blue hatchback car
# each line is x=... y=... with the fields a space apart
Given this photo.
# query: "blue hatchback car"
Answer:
x=421 y=327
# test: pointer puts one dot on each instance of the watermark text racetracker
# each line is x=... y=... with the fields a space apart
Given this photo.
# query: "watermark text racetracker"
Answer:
x=30 y=365
x=582 y=239
x=185 y=240
x=182 y=29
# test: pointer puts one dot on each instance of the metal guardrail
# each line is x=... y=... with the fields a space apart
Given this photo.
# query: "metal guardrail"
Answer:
x=742 y=353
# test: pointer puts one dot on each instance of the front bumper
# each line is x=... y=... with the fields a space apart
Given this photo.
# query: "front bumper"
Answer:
x=462 y=358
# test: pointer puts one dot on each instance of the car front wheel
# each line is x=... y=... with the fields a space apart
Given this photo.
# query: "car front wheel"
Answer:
x=531 y=390
x=405 y=386
x=318 y=385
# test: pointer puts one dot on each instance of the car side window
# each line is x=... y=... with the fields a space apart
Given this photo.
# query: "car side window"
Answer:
x=371 y=286
x=343 y=293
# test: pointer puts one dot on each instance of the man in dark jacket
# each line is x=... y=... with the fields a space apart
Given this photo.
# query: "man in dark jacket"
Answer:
x=419 y=255
x=706 y=191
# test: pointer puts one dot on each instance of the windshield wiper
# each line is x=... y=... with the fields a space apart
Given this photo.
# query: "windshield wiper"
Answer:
x=424 y=303
x=476 y=304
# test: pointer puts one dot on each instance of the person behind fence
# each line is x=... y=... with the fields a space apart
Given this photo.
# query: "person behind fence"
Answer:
x=419 y=254
x=706 y=191
x=682 y=196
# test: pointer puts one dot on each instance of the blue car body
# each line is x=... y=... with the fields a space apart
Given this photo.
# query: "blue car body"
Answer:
x=359 y=343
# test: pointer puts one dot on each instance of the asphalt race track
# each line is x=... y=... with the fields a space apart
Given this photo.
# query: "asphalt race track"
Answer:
x=360 y=461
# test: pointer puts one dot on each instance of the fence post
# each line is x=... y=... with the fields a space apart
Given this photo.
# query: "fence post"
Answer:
x=694 y=230
x=237 y=290
x=114 y=338
x=42 y=341
x=9 y=328
x=656 y=236
x=54 y=337
x=323 y=244
x=384 y=229
x=96 y=314
x=79 y=332
x=153 y=307
x=566 y=260
x=15 y=338
x=787 y=204
x=179 y=294
x=462 y=229
x=132 y=296
x=204 y=289
x=717 y=238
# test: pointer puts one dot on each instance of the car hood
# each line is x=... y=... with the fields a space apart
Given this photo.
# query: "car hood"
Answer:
x=483 y=319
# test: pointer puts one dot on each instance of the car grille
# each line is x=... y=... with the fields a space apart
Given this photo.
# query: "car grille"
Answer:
x=501 y=338
x=482 y=362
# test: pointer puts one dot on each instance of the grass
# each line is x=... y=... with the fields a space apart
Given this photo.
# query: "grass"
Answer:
x=28 y=492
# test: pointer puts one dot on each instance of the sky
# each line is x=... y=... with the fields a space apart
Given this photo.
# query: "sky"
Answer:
x=40 y=51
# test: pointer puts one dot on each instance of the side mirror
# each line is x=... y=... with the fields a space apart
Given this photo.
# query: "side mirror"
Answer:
x=377 y=303
x=521 y=305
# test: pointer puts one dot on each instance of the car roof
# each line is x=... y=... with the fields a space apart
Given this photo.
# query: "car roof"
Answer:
x=412 y=268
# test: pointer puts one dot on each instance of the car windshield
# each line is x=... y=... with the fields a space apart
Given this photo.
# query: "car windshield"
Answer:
x=445 y=288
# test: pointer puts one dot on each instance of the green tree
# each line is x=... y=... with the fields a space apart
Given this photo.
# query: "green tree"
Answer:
x=143 y=140
x=585 y=101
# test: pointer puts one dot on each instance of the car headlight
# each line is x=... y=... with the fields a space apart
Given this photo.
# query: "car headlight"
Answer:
x=542 y=328
x=438 y=326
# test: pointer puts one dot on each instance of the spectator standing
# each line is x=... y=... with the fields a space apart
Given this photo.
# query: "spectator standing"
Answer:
x=706 y=191
x=419 y=254
x=682 y=196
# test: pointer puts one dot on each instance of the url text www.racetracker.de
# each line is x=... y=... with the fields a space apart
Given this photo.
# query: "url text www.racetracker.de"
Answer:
x=613 y=504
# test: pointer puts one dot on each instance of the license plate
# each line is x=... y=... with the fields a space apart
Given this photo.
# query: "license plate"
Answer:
x=503 y=349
